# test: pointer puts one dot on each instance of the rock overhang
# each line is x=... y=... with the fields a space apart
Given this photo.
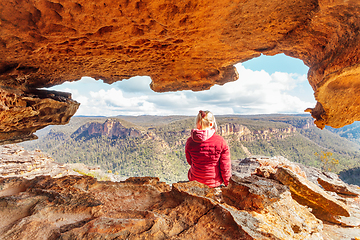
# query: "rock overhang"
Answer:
x=180 y=45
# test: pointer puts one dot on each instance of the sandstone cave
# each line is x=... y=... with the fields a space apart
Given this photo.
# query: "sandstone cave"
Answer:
x=181 y=45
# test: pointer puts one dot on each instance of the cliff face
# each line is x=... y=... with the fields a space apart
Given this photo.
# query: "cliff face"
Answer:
x=180 y=45
x=245 y=134
x=110 y=128
x=270 y=201
x=233 y=128
x=114 y=129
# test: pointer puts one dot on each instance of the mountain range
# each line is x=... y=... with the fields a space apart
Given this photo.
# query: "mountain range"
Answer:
x=154 y=145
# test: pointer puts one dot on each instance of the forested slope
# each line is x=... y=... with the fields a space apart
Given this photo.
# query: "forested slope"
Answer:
x=157 y=148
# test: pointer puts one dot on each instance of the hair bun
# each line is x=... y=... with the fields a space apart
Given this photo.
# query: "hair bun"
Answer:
x=203 y=114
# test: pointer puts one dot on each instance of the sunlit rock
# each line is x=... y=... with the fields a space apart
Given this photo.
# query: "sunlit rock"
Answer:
x=182 y=45
x=15 y=161
x=324 y=206
x=331 y=182
x=253 y=207
x=75 y=207
x=24 y=112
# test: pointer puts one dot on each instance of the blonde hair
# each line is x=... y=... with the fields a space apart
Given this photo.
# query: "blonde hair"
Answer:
x=205 y=119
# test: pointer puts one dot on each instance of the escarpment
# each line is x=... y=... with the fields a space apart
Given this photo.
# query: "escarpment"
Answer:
x=110 y=128
x=180 y=45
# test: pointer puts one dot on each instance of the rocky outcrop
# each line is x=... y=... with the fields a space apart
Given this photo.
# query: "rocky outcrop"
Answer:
x=24 y=112
x=243 y=133
x=182 y=45
x=15 y=161
x=337 y=203
x=76 y=207
x=333 y=183
x=250 y=207
x=232 y=129
x=326 y=205
x=110 y=128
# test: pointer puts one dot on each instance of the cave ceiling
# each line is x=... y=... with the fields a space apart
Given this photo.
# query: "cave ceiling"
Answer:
x=179 y=44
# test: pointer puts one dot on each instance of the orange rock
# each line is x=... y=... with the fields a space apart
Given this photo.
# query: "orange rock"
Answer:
x=252 y=193
x=323 y=205
x=181 y=45
x=23 y=113
x=338 y=186
x=79 y=207
x=271 y=165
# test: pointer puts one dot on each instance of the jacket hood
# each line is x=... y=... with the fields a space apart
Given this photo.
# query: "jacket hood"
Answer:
x=202 y=135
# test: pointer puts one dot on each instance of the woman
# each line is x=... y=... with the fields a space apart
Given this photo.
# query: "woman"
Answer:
x=207 y=153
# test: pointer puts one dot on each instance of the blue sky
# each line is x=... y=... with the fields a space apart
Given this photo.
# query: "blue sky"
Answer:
x=276 y=84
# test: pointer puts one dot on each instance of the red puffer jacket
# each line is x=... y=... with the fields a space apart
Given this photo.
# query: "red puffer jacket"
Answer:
x=209 y=157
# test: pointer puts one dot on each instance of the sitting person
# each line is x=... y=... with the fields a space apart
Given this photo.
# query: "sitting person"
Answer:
x=207 y=153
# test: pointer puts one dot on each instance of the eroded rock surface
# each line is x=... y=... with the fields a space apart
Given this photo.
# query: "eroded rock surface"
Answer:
x=110 y=128
x=333 y=183
x=251 y=207
x=183 y=44
x=328 y=203
x=324 y=205
x=75 y=207
x=24 y=112
x=15 y=161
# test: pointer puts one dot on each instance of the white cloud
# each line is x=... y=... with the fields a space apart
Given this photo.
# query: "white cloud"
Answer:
x=255 y=92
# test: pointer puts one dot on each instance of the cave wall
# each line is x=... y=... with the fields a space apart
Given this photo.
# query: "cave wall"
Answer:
x=180 y=45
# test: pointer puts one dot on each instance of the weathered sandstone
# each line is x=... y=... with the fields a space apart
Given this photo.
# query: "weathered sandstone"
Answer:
x=336 y=202
x=253 y=193
x=24 y=112
x=324 y=205
x=334 y=184
x=182 y=45
x=15 y=161
x=76 y=207
x=80 y=207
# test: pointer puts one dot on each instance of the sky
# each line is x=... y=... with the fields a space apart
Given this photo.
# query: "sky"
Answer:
x=266 y=85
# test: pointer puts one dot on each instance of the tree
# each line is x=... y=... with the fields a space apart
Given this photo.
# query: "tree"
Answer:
x=328 y=163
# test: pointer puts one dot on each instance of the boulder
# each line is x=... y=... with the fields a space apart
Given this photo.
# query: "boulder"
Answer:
x=253 y=193
x=308 y=191
x=244 y=167
x=334 y=184
x=324 y=206
x=24 y=112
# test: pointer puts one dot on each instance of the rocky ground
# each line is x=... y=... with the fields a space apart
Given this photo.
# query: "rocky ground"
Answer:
x=15 y=161
x=267 y=198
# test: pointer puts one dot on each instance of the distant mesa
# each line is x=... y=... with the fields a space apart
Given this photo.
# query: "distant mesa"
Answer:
x=110 y=128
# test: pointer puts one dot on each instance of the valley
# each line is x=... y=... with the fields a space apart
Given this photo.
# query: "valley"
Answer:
x=154 y=145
